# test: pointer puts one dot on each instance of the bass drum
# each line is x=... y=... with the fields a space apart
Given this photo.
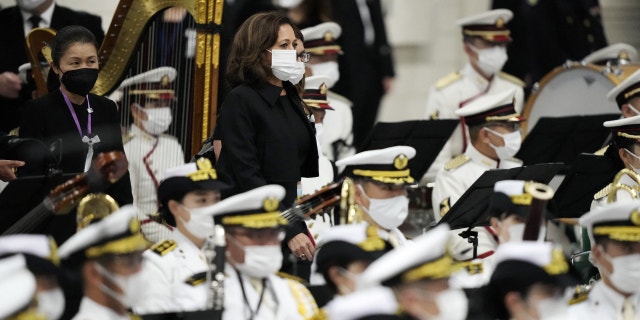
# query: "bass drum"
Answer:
x=574 y=89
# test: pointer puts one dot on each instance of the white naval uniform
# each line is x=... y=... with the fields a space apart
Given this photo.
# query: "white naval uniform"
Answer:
x=146 y=174
x=452 y=183
x=600 y=198
x=370 y=302
x=338 y=126
x=395 y=237
x=603 y=303
x=463 y=86
x=91 y=310
x=283 y=298
x=166 y=271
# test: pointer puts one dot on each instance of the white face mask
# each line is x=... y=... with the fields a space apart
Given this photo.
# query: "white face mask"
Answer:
x=29 y=5
x=132 y=286
x=287 y=3
x=51 y=303
x=158 y=120
x=553 y=308
x=285 y=66
x=200 y=223
x=329 y=69
x=512 y=142
x=452 y=304
x=516 y=232
x=636 y=170
x=259 y=261
x=626 y=271
x=388 y=213
x=491 y=60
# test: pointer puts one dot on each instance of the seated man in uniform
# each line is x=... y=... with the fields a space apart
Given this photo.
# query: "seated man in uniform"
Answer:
x=380 y=178
x=150 y=152
x=320 y=41
x=253 y=228
x=627 y=96
x=624 y=149
x=614 y=231
x=494 y=129
x=109 y=255
x=485 y=37
x=18 y=286
x=40 y=252
x=529 y=282
x=186 y=194
x=613 y=55
x=344 y=252
x=418 y=274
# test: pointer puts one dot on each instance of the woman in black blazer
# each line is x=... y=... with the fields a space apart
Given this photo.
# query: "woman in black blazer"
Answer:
x=74 y=118
x=267 y=138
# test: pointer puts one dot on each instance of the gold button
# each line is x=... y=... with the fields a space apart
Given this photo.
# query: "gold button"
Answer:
x=587 y=23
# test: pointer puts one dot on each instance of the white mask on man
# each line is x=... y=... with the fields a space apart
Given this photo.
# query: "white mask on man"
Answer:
x=329 y=69
x=158 y=119
x=491 y=60
x=512 y=142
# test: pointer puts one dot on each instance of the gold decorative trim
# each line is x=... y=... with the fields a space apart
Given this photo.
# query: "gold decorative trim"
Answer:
x=558 y=264
x=620 y=233
x=438 y=269
x=456 y=162
x=487 y=33
x=522 y=199
x=125 y=245
x=384 y=174
x=514 y=117
x=320 y=51
x=628 y=136
x=256 y=221
x=631 y=93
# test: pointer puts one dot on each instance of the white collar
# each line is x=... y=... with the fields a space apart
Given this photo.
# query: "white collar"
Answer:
x=46 y=16
x=475 y=77
x=137 y=131
x=480 y=158
x=614 y=299
x=98 y=311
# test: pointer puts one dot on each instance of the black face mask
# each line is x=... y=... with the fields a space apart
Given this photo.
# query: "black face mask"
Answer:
x=80 y=81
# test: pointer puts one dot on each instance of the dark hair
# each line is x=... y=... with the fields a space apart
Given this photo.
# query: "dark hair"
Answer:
x=247 y=63
x=314 y=13
x=67 y=36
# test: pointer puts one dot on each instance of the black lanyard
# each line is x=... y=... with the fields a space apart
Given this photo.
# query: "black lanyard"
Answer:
x=244 y=295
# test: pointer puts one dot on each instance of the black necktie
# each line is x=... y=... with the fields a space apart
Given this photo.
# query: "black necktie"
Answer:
x=35 y=21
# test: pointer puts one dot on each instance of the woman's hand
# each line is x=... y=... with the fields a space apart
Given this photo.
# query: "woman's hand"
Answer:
x=302 y=247
x=7 y=169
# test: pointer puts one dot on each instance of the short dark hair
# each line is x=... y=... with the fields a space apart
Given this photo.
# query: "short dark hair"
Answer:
x=247 y=57
x=67 y=36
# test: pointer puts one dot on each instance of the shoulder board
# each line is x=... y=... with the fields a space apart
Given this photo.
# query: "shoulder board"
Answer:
x=342 y=98
x=290 y=277
x=164 y=247
x=580 y=294
x=456 y=162
x=473 y=267
x=512 y=79
x=445 y=206
x=196 y=279
x=602 y=151
x=602 y=193
x=448 y=79
x=516 y=160
x=127 y=137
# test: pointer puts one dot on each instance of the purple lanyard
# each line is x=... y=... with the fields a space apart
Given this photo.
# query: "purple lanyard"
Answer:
x=75 y=117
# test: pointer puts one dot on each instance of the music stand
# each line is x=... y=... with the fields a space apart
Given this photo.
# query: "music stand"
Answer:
x=471 y=209
x=562 y=139
x=589 y=173
x=426 y=136
x=193 y=315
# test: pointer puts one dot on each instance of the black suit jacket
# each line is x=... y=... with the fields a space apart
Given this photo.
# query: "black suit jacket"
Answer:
x=49 y=120
x=14 y=52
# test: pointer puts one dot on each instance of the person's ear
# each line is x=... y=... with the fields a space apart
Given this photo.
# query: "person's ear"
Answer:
x=513 y=303
x=484 y=135
x=495 y=224
x=174 y=208
x=54 y=68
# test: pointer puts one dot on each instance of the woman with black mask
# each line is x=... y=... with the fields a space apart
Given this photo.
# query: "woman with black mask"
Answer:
x=79 y=123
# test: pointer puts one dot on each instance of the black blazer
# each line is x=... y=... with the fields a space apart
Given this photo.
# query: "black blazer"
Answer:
x=256 y=142
x=14 y=52
x=49 y=120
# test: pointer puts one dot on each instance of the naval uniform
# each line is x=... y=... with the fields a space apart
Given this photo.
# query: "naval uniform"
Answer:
x=452 y=92
x=603 y=302
x=459 y=174
x=338 y=128
x=600 y=198
x=169 y=272
x=149 y=156
x=91 y=310
x=270 y=298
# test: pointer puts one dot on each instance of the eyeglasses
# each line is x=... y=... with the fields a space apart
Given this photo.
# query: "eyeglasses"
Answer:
x=304 y=57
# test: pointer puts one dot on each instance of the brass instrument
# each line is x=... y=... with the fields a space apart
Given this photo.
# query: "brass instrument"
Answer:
x=540 y=194
x=94 y=206
x=349 y=209
x=634 y=191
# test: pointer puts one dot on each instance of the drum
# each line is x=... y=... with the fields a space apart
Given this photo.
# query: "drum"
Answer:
x=574 y=89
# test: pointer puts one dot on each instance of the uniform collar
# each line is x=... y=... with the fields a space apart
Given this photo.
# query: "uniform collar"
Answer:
x=476 y=78
x=612 y=298
x=138 y=132
x=480 y=158
x=98 y=311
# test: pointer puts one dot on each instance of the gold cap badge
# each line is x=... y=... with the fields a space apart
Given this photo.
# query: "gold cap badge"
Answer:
x=635 y=217
x=270 y=204
x=401 y=161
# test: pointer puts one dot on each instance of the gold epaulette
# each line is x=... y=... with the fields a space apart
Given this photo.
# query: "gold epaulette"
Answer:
x=511 y=78
x=580 y=294
x=127 y=137
x=456 y=162
x=448 y=79
x=164 y=247
x=602 y=193
x=445 y=206
x=290 y=277
x=476 y=267
x=321 y=315
x=602 y=151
